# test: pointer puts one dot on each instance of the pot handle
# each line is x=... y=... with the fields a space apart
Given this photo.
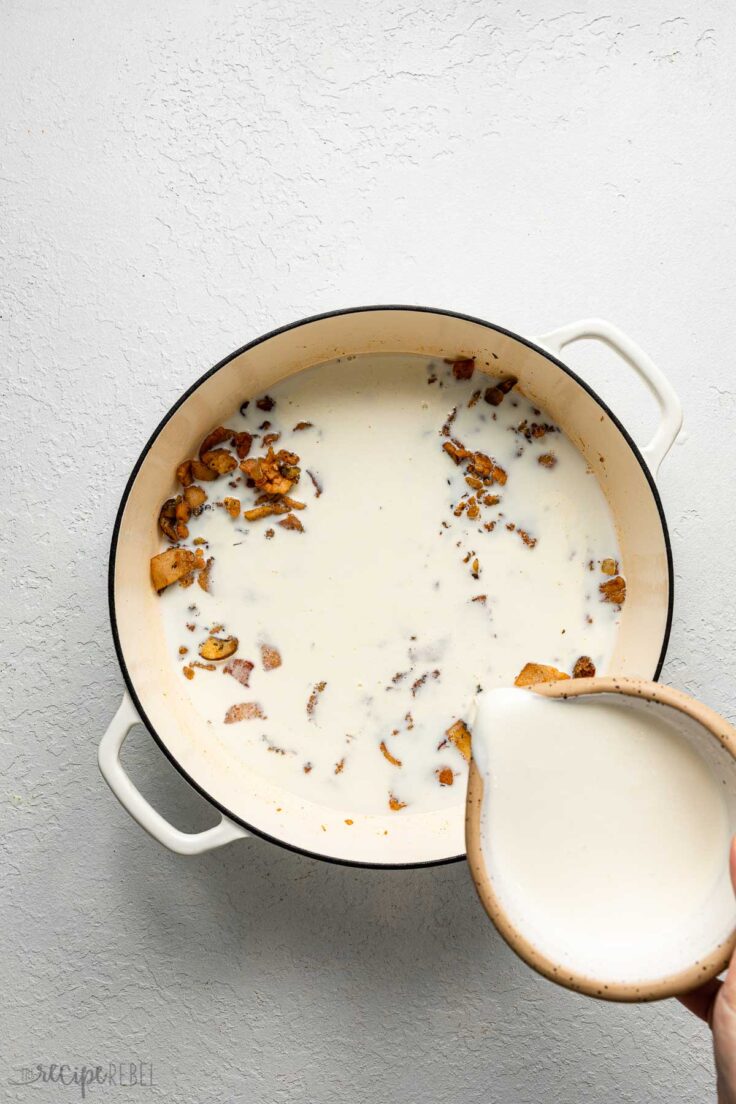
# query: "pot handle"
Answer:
x=134 y=803
x=669 y=405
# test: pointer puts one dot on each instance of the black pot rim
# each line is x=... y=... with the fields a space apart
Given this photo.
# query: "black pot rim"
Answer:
x=195 y=386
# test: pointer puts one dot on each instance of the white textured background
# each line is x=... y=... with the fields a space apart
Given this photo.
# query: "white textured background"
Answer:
x=177 y=178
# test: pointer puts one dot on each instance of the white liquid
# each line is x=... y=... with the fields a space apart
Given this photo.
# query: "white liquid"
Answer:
x=377 y=585
x=605 y=829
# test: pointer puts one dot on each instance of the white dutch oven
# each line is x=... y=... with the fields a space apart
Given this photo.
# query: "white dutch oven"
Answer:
x=249 y=804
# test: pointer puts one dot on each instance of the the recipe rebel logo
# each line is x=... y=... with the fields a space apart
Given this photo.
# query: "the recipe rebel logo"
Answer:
x=110 y=1075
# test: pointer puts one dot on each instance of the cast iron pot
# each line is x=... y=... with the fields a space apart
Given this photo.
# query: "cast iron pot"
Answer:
x=249 y=804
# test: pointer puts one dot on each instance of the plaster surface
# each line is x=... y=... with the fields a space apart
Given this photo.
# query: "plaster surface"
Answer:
x=178 y=178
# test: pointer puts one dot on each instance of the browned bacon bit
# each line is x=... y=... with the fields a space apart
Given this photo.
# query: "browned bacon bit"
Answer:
x=218 y=647
x=183 y=650
x=528 y=540
x=463 y=368
x=274 y=473
x=584 y=668
x=547 y=459
x=459 y=735
x=480 y=598
x=475 y=572
x=387 y=754
x=293 y=504
x=270 y=657
x=232 y=505
x=489 y=526
x=510 y=526
x=202 y=472
x=205 y=576
x=307 y=768
x=291 y=521
x=418 y=683
x=213 y=439
x=399 y=676
x=491 y=500
x=194 y=497
x=270 y=439
x=457 y=452
x=240 y=669
x=459 y=508
x=614 y=591
x=608 y=567
x=473 y=509
x=203 y=666
x=474 y=398
x=495 y=395
x=474 y=482
x=270 y=534
x=409 y=721
x=266 y=403
x=187 y=672
x=301 y=425
x=315 y=483
x=244 y=711
x=242 y=442
x=184 y=473
x=340 y=767
x=445 y=776
x=170 y=566
x=499 y=475
x=167 y=521
x=445 y=431
x=191 y=626
x=220 y=461
x=265 y=425
x=257 y=513
x=538 y=672
x=314 y=697
x=466 y=557
x=394 y=804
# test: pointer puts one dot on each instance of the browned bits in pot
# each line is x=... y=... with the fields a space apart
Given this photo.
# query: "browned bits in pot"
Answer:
x=242 y=443
x=394 y=804
x=463 y=368
x=201 y=472
x=584 y=668
x=266 y=403
x=459 y=735
x=608 y=567
x=614 y=590
x=218 y=647
x=538 y=672
x=547 y=459
x=445 y=776
x=232 y=505
x=214 y=438
x=194 y=497
x=274 y=473
x=387 y=754
x=240 y=669
x=244 y=711
x=270 y=657
x=170 y=566
x=314 y=698
x=456 y=451
x=220 y=461
x=291 y=521
x=495 y=395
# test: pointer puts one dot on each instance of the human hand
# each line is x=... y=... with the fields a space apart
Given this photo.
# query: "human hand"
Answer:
x=715 y=1002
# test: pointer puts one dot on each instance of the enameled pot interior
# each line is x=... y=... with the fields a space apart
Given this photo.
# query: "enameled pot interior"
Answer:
x=395 y=839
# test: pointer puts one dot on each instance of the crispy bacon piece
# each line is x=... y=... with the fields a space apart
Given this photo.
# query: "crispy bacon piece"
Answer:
x=220 y=461
x=184 y=473
x=240 y=669
x=242 y=443
x=194 y=497
x=270 y=657
x=205 y=577
x=614 y=590
x=609 y=567
x=314 y=698
x=445 y=776
x=265 y=403
x=463 y=368
x=274 y=473
x=258 y=512
x=538 y=672
x=218 y=647
x=316 y=484
x=584 y=668
x=494 y=396
x=171 y=566
x=167 y=521
x=244 y=711
x=187 y=672
x=291 y=521
x=456 y=452
x=394 y=804
x=202 y=472
x=301 y=425
x=459 y=735
x=232 y=505
x=340 y=767
x=387 y=754
x=547 y=459
x=214 y=438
